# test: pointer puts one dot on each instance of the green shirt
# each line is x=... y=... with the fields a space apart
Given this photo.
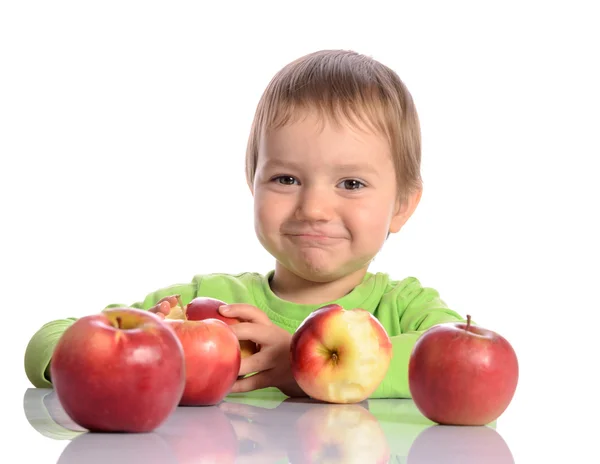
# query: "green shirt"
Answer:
x=403 y=307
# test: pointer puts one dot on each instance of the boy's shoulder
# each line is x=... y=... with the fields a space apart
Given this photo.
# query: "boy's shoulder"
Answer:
x=403 y=292
x=229 y=287
x=390 y=284
x=240 y=278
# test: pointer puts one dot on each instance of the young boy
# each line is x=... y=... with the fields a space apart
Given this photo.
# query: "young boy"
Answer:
x=333 y=164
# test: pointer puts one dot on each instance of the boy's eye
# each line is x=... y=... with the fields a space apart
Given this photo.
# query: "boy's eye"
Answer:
x=351 y=184
x=285 y=180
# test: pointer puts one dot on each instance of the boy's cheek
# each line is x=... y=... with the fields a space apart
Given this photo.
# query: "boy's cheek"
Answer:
x=267 y=222
x=370 y=218
x=272 y=209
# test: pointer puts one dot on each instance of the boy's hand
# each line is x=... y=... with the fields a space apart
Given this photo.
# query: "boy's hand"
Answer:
x=272 y=362
x=169 y=306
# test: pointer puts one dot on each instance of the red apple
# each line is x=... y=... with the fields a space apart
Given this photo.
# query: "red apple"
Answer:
x=121 y=370
x=212 y=359
x=341 y=433
x=201 y=308
x=339 y=355
x=462 y=374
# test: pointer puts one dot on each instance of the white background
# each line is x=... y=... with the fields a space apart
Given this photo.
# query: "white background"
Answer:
x=123 y=127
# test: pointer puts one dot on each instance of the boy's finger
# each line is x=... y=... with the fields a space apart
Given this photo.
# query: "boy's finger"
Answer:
x=162 y=307
x=258 y=362
x=245 y=312
x=260 y=334
x=254 y=382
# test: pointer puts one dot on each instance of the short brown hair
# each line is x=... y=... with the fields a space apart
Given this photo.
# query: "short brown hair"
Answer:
x=351 y=85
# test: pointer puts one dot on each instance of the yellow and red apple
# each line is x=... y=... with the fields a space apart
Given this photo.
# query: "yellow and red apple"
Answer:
x=121 y=370
x=462 y=374
x=339 y=355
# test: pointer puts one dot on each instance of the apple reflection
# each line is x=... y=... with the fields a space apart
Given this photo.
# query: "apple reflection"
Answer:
x=117 y=448
x=200 y=434
x=307 y=431
x=459 y=444
x=261 y=432
x=338 y=433
x=189 y=435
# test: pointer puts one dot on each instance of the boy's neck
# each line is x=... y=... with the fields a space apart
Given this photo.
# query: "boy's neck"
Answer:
x=290 y=287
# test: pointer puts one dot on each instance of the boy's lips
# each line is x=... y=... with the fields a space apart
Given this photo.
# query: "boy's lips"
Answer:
x=318 y=237
x=314 y=234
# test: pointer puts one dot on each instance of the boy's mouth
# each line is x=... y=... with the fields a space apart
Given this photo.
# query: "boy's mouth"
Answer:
x=314 y=233
x=314 y=237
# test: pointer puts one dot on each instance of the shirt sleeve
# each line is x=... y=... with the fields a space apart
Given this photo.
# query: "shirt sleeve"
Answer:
x=38 y=352
x=420 y=309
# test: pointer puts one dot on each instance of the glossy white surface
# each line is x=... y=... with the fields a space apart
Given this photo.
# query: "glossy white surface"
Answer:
x=268 y=428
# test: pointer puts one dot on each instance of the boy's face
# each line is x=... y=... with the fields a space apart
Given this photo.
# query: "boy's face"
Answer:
x=325 y=198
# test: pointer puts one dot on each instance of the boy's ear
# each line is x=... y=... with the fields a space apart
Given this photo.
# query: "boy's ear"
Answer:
x=404 y=210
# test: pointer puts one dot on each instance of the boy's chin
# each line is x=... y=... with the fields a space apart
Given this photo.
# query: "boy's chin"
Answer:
x=319 y=274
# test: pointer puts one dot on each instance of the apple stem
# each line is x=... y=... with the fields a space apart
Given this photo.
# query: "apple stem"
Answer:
x=119 y=322
x=468 y=321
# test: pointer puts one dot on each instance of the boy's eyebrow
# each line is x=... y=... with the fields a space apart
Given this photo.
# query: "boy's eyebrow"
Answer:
x=276 y=163
x=354 y=167
x=344 y=167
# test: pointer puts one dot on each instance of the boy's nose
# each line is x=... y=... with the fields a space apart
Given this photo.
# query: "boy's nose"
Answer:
x=315 y=205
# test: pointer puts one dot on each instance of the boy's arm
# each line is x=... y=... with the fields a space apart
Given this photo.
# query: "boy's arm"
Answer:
x=38 y=352
x=422 y=310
